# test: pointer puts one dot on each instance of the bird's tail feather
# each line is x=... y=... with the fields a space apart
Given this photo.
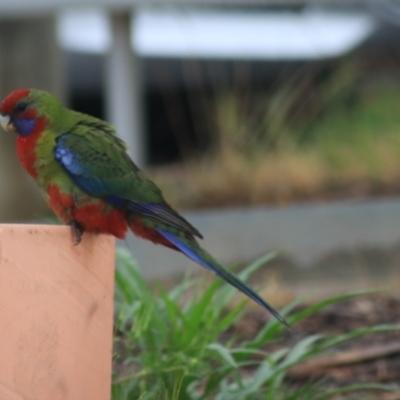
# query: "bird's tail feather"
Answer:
x=192 y=250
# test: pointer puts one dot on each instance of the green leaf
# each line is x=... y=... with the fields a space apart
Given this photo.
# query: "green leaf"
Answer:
x=224 y=353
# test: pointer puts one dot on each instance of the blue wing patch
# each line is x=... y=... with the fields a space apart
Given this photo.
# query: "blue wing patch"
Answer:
x=68 y=160
x=75 y=169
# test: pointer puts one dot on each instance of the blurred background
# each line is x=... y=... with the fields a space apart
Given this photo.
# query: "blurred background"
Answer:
x=271 y=124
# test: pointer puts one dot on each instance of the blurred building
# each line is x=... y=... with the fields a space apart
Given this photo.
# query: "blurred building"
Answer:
x=150 y=69
x=186 y=53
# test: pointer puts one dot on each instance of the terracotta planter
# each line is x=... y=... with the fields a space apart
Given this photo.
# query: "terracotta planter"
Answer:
x=56 y=314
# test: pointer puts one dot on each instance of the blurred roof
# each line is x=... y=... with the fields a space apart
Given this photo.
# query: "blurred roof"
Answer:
x=223 y=34
x=23 y=8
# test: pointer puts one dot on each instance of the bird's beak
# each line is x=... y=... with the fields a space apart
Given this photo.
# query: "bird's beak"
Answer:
x=6 y=123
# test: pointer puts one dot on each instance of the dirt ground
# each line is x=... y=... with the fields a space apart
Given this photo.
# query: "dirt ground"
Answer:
x=373 y=358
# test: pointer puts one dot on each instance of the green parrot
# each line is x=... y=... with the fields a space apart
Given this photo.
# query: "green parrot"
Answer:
x=87 y=178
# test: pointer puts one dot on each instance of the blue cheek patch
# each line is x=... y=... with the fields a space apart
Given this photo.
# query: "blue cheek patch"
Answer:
x=24 y=126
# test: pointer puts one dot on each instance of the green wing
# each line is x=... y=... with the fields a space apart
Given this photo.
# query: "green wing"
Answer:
x=96 y=160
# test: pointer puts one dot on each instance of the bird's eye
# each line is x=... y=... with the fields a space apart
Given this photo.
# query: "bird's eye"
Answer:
x=21 y=107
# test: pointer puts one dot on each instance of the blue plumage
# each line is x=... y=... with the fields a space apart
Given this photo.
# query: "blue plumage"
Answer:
x=192 y=250
x=75 y=169
x=185 y=249
x=24 y=125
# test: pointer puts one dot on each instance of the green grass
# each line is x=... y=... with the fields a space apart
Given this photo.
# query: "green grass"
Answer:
x=365 y=136
x=169 y=347
x=300 y=142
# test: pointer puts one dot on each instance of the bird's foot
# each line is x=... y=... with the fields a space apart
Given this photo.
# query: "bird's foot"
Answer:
x=77 y=231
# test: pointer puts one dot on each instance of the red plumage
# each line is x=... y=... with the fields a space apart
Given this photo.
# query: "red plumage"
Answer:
x=151 y=234
x=99 y=217
x=96 y=217
x=26 y=144
x=8 y=104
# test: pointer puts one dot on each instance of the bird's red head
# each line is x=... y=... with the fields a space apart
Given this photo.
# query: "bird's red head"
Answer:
x=9 y=103
x=19 y=112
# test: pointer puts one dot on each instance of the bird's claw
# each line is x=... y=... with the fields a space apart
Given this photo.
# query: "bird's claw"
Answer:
x=77 y=231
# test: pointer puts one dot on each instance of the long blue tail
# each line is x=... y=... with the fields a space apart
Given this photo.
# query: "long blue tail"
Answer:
x=192 y=250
